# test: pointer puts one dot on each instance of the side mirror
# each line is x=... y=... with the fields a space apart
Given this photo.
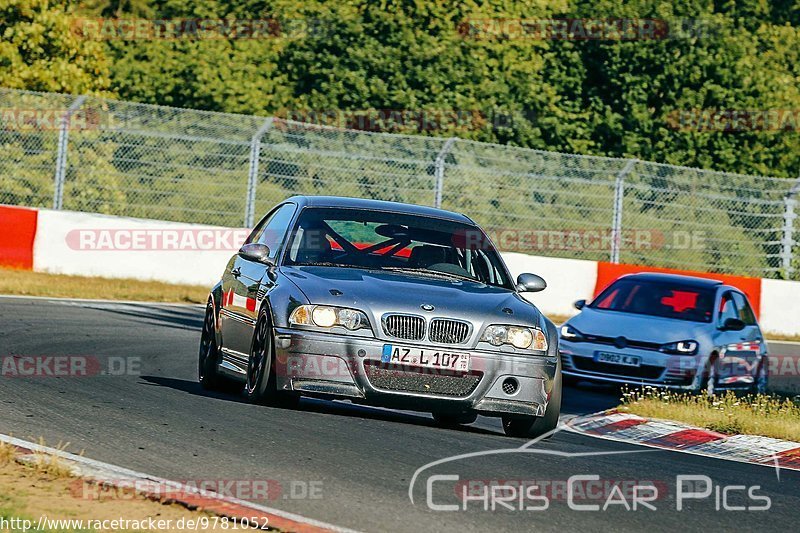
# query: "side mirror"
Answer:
x=580 y=304
x=256 y=252
x=733 y=324
x=530 y=283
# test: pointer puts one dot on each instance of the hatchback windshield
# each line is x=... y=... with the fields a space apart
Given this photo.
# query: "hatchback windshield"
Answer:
x=356 y=238
x=669 y=300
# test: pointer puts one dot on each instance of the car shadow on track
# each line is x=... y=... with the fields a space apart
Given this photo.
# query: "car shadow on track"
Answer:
x=193 y=387
x=317 y=405
x=585 y=398
x=185 y=318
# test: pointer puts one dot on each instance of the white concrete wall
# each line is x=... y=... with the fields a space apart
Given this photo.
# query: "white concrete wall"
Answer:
x=117 y=247
x=567 y=280
x=780 y=306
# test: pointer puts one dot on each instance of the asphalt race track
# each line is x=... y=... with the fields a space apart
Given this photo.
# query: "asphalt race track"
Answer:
x=343 y=464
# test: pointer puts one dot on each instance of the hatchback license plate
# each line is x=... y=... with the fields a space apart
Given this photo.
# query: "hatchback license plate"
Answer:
x=617 y=359
x=426 y=358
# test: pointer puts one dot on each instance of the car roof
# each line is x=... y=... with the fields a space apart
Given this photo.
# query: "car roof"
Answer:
x=688 y=281
x=378 y=205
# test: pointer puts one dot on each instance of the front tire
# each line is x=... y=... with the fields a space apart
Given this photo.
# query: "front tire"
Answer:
x=762 y=378
x=208 y=357
x=261 y=386
x=708 y=383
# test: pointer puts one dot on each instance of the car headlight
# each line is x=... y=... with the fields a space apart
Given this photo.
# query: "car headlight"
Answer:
x=571 y=334
x=517 y=336
x=680 y=348
x=325 y=316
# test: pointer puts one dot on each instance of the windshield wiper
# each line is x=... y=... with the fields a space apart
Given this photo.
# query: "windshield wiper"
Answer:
x=430 y=272
x=329 y=264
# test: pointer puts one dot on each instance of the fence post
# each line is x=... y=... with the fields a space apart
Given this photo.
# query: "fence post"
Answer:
x=616 y=223
x=438 y=171
x=61 y=152
x=252 y=175
x=787 y=243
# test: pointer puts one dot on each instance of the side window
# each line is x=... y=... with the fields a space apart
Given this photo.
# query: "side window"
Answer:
x=272 y=230
x=259 y=229
x=727 y=308
x=745 y=311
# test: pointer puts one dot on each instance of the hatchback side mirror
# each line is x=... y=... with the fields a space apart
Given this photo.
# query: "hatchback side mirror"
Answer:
x=256 y=252
x=530 y=283
x=580 y=304
x=733 y=324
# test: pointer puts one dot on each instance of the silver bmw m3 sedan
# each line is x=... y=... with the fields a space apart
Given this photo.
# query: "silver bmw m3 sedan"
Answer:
x=667 y=330
x=384 y=304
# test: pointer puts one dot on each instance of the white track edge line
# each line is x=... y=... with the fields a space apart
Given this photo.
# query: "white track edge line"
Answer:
x=99 y=300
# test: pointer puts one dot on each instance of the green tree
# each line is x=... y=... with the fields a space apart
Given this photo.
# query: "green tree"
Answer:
x=40 y=51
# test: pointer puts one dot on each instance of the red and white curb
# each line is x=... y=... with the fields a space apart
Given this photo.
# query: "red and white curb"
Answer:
x=110 y=476
x=664 y=434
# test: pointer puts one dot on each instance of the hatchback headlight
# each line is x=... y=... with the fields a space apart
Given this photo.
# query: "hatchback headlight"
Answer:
x=325 y=316
x=571 y=334
x=517 y=336
x=680 y=348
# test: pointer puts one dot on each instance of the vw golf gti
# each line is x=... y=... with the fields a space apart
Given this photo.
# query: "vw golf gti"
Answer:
x=667 y=330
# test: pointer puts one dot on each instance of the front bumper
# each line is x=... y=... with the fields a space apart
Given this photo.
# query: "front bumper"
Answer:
x=732 y=370
x=350 y=367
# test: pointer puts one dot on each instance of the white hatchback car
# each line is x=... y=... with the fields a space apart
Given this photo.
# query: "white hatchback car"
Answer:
x=666 y=330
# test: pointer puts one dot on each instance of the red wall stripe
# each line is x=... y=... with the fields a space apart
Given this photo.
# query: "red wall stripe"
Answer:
x=608 y=272
x=17 y=232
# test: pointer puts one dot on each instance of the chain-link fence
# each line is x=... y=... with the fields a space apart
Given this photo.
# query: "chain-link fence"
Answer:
x=122 y=158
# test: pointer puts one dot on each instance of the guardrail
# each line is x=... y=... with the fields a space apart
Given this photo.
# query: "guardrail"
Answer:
x=84 y=153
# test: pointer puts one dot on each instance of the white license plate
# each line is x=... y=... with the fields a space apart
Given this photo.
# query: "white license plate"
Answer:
x=617 y=359
x=426 y=358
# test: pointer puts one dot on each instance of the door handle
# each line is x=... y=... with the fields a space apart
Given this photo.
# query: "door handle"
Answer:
x=236 y=272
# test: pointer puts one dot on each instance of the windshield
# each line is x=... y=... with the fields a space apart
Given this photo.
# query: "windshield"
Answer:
x=420 y=245
x=668 y=300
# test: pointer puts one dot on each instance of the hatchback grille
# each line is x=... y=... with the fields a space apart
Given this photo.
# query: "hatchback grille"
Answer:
x=611 y=341
x=405 y=327
x=448 y=331
x=642 y=372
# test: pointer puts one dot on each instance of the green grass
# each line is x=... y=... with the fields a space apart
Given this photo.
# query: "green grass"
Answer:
x=25 y=283
x=767 y=415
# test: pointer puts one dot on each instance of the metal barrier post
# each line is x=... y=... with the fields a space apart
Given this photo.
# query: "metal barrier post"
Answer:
x=439 y=171
x=61 y=153
x=787 y=243
x=252 y=175
x=616 y=223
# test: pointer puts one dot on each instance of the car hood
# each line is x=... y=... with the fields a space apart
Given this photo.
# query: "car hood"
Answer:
x=636 y=327
x=380 y=292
